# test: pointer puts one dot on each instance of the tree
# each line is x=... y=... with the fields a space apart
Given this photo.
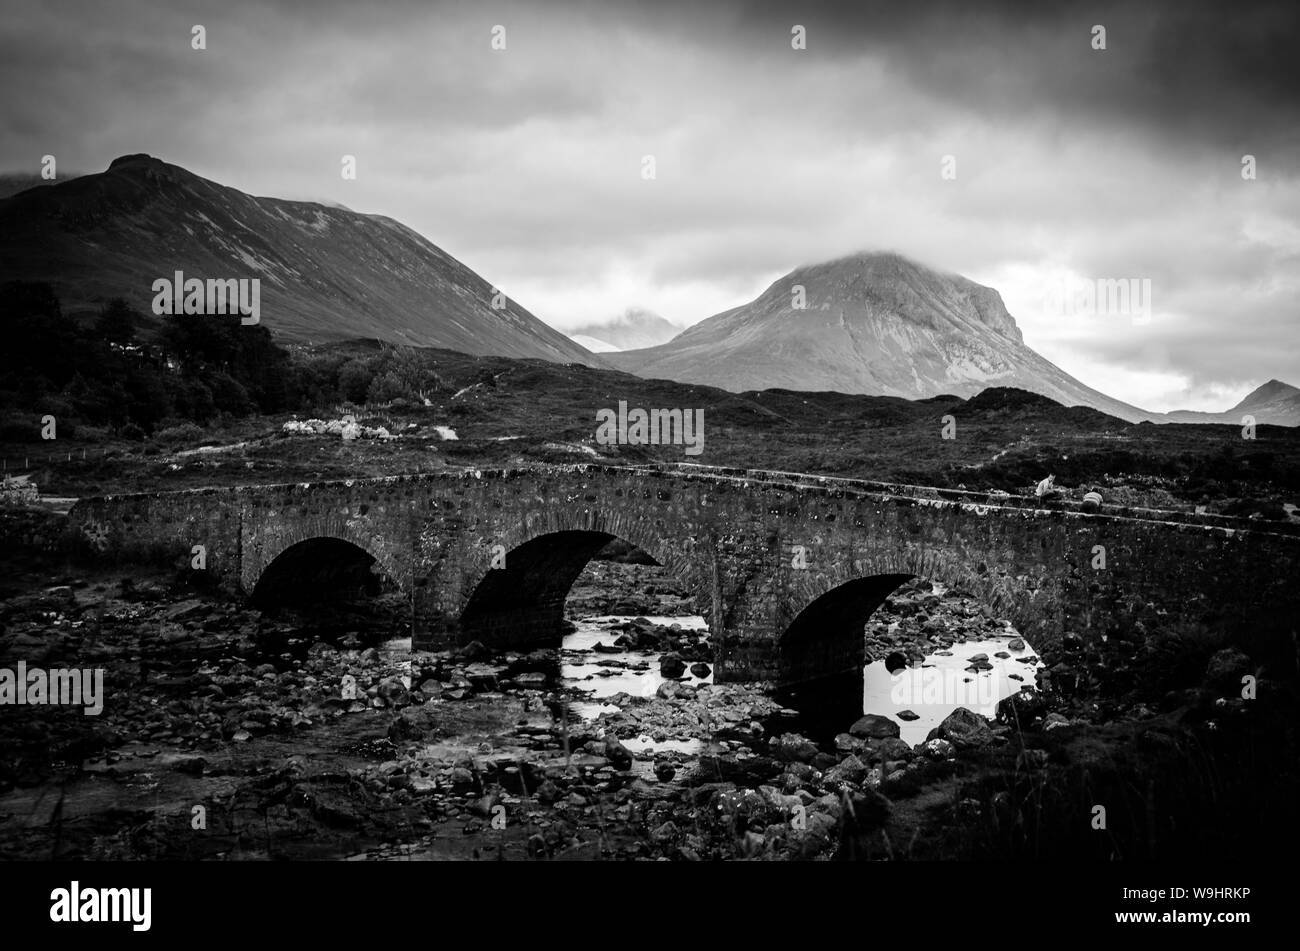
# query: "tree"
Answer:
x=39 y=338
x=387 y=387
x=354 y=380
x=116 y=322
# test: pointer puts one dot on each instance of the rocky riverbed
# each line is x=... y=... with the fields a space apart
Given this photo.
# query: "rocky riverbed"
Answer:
x=228 y=733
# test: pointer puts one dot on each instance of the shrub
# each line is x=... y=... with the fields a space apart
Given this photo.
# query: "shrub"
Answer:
x=354 y=381
x=388 y=387
x=181 y=433
x=1248 y=507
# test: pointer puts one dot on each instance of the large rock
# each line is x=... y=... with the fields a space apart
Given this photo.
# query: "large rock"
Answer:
x=818 y=834
x=849 y=744
x=791 y=747
x=890 y=748
x=672 y=666
x=673 y=690
x=618 y=754
x=1023 y=708
x=482 y=677
x=937 y=749
x=964 y=729
x=1225 y=670
x=403 y=729
x=850 y=770
x=874 y=727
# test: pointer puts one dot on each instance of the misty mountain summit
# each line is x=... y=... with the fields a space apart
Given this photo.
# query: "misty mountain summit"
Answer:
x=876 y=323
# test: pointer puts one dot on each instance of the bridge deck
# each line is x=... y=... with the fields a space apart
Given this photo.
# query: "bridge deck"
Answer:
x=979 y=501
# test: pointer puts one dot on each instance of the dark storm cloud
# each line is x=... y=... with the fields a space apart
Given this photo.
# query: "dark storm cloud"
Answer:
x=1207 y=72
x=526 y=164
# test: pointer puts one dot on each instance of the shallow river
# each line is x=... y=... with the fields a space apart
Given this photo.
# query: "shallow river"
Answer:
x=932 y=691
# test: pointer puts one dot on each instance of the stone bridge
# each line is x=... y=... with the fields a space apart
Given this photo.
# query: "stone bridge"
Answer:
x=786 y=568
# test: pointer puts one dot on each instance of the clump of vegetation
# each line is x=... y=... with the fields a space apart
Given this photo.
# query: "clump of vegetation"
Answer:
x=109 y=374
x=138 y=376
x=1252 y=508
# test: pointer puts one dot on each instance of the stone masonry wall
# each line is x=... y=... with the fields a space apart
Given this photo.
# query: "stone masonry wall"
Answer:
x=732 y=540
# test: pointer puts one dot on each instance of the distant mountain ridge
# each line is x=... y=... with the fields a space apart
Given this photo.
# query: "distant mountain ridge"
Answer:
x=327 y=273
x=592 y=344
x=12 y=183
x=633 y=329
x=1274 y=402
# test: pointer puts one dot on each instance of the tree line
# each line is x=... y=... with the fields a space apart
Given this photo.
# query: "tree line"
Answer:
x=133 y=375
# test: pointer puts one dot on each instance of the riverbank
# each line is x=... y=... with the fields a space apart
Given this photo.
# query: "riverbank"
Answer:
x=232 y=734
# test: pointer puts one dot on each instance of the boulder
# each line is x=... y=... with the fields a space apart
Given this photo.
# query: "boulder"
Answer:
x=937 y=749
x=665 y=833
x=1055 y=721
x=964 y=729
x=874 y=727
x=482 y=677
x=461 y=777
x=672 y=666
x=618 y=754
x=791 y=747
x=403 y=728
x=1226 y=668
x=1023 y=708
x=850 y=770
x=672 y=690
x=890 y=748
x=846 y=743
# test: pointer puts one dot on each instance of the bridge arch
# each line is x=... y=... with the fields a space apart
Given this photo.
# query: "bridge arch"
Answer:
x=323 y=568
x=291 y=542
x=522 y=603
x=822 y=653
x=821 y=647
x=992 y=585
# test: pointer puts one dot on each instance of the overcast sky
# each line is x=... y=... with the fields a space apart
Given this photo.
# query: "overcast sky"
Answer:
x=1072 y=164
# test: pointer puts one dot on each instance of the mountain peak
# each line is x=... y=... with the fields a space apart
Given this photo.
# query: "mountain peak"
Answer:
x=874 y=322
x=326 y=274
x=634 y=328
x=1270 y=392
x=887 y=281
x=877 y=257
x=138 y=158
